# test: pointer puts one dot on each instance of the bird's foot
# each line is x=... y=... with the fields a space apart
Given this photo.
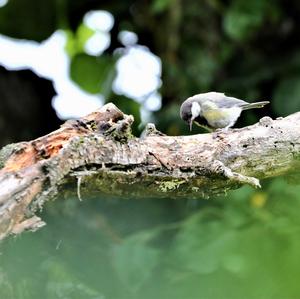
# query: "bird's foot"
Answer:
x=218 y=133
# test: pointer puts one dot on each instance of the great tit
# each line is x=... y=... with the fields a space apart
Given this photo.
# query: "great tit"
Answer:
x=215 y=110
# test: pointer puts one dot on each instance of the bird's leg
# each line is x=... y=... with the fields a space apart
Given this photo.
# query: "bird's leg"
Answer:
x=229 y=126
x=218 y=132
x=207 y=128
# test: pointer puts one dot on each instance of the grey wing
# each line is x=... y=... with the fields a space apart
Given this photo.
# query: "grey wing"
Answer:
x=220 y=99
x=228 y=102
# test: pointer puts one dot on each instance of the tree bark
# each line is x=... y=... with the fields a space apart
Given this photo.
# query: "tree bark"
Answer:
x=100 y=156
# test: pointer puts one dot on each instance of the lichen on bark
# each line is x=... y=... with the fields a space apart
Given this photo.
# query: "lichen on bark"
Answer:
x=99 y=155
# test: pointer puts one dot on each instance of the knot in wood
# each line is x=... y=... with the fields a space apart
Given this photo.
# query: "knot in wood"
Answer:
x=266 y=121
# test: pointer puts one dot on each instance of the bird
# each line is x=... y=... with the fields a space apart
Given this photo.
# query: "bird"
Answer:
x=215 y=110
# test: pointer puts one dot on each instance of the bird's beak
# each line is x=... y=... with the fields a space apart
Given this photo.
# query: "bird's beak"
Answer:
x=191 y=125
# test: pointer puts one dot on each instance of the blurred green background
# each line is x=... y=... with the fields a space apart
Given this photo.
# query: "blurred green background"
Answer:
x=244 y=245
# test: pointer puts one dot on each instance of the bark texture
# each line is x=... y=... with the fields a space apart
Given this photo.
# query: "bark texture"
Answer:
x=100 y=155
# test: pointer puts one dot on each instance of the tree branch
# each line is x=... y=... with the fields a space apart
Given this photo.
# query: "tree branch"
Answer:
x=98 y=154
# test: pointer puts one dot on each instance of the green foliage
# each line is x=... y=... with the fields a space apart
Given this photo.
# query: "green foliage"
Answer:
x=207 y=63
x=62 y=284
x=244 y=18
x=75 y=42
x=93 y=74
x=134 y=260
x=246 y=244
x=159 y=6
x=287 y=96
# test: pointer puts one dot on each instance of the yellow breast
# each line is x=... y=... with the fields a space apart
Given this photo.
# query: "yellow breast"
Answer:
x=216 y=114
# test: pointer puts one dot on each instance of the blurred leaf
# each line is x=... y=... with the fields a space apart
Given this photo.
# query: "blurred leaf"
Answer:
x=5 y=286
x=70 y=46
x=135 y=260
x=76 y=42
x=243 y=18
x=213 y=249
x=287 y=96
x=159 y=6
x=83 y=34
x=203 y=67
x=213 y=236
x=93 y=74
x=259 y=199
x=63 y=285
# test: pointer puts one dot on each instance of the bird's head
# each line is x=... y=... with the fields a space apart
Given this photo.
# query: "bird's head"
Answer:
x=189 y=111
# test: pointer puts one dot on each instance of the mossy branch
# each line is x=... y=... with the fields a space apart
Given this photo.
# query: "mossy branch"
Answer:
x=99 y=155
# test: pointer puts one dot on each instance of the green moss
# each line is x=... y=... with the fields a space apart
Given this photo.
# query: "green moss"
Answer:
x=93 y=126
x=6 y=152
x=122 y=135
x=170 y=185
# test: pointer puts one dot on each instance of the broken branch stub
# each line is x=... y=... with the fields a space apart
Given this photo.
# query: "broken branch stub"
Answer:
x=100 y=155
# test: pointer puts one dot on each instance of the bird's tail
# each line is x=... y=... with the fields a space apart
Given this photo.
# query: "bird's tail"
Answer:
x=254 y=105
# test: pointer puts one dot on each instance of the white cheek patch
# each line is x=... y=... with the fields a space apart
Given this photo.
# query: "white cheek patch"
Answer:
x=195 y=110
